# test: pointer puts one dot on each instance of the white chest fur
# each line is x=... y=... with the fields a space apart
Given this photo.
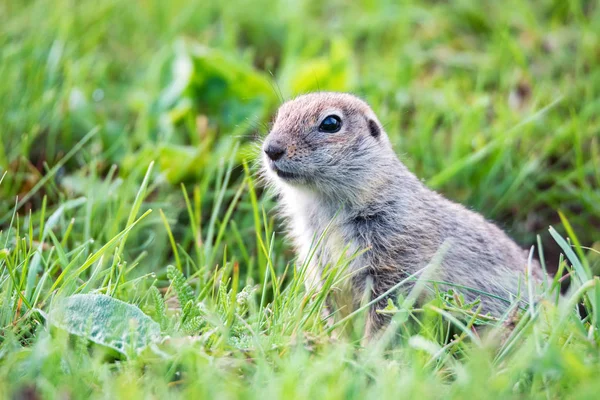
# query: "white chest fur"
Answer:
x=318 y=235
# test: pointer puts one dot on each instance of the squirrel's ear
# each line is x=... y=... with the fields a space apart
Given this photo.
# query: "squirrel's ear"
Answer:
x=374 y=128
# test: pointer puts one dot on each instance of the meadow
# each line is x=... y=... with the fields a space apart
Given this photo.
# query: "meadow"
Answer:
x=129 y=192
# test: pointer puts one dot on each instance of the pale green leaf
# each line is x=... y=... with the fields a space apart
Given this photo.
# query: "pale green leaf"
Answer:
x=106 y=321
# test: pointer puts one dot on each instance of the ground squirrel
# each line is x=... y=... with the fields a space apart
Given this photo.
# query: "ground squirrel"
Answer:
x=333 y=166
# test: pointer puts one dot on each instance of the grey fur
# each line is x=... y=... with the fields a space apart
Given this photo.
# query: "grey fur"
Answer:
x=379 y=206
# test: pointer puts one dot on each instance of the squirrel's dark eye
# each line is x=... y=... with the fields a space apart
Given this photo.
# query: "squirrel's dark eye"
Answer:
x=331 y=124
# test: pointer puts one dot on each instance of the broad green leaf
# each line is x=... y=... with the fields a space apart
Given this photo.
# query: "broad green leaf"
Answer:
x=332 y=72
x=106 y=321
x=226 y=89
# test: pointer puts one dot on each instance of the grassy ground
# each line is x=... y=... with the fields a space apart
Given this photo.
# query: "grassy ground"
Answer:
x=127 y=161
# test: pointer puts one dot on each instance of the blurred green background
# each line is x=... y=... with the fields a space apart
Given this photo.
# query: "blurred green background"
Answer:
x=495 y=104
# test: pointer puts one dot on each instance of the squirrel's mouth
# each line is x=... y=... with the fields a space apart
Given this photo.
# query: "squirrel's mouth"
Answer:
x=285 y=175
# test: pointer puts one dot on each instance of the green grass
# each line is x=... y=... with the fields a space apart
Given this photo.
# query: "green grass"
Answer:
x=127 y=168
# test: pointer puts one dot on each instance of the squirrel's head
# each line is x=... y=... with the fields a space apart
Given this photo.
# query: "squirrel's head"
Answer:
x=328 y=142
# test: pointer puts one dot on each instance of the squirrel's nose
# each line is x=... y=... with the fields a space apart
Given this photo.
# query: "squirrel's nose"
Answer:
x=275 y=151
